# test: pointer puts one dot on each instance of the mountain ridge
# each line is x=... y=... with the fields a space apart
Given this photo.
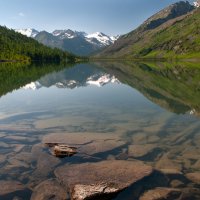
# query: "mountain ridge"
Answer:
x=159 y=34
x=76 y=42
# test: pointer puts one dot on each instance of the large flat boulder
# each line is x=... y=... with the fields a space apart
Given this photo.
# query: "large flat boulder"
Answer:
x=87 y=143
x=78 y=138
x=89 y=180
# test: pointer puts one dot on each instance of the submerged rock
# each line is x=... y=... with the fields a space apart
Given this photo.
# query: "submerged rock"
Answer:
x=7 y=187
x=164 y=163
x=194 y=177
x=87 y=143
x=161 y=194
x=140 y=150
x=49 y=189
x=176 y=183
x=139 y=138
x=64 y=150
x=45 y=164
x=78 y=138
x=100 y=146
x=101 y=178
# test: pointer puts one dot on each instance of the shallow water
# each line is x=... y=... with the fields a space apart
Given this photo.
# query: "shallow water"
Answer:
x=151 y=113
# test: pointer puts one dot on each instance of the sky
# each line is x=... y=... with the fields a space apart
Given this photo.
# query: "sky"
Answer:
x=113 y=17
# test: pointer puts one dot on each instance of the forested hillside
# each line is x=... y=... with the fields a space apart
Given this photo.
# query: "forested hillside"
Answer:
x=15 y=46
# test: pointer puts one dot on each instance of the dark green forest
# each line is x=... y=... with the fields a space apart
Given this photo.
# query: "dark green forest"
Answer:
x=17 y=47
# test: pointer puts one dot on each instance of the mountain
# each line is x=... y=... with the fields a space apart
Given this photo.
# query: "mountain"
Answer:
x=28 y=32
x=78 y=76
x=172 y=32
x=79 y=43
x=197 y=3
x=15 y=46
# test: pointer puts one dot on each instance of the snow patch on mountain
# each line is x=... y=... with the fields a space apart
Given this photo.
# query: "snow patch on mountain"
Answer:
x=197 y=3
x=97 y=38
x=32 y=86
x=28 y=32
x=101 y=38
x=98 y=80
x=103 y=80
x=68 y=34
x=67 y=84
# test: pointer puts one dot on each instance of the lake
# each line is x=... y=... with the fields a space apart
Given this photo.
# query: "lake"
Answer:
x=110 y=111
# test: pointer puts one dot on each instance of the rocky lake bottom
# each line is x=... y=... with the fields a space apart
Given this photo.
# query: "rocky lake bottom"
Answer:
x=129 y=145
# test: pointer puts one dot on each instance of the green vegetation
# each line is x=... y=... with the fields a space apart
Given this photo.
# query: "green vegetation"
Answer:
x=16 y=47
x=173 y=37
x=16 y=75
x=181 y=40
x=174 y=86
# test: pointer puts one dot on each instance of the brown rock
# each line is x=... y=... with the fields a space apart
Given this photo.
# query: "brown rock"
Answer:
x=80 y=192
x=7 y=187
x=161 y=194
x=17 y=163
x=45 y=164
x=87 y=143
x=196 y=165
x=191 y=153
x=77 y=138
x=176 y=183
x=194 y=177
x=100 y=146
x=2 y=158
x=49 y=189
x=139 y=138
x=94 y=179
x=24 y=156
x=20 y=138
x=153 y=139
x=140 y=150
x=166 y=163
x=171 y=171
x=61 y=151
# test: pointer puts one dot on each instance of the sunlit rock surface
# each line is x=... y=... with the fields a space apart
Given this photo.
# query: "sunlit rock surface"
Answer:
x=105 y=177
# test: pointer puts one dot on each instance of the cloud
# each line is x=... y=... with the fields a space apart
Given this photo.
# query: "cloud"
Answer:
x=21 y=14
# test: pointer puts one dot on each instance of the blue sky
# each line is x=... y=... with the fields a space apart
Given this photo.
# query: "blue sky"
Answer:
x=112 y=17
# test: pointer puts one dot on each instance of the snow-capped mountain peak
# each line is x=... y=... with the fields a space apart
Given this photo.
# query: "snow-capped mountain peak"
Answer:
x=29 y=32
x=76 y=42
x=97 y=38
x=197 y=3
x=101 y=38
x=68 y=34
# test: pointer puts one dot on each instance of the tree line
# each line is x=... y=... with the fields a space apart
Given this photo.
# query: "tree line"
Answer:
x=15 y=46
